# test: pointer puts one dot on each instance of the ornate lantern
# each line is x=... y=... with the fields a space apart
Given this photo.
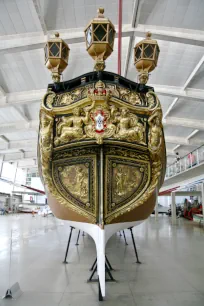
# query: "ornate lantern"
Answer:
x=99 y=35
x=146 y=54
x=56 y=56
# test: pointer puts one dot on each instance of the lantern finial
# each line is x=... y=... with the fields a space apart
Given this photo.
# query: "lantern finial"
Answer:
x=100 y=12
x=99 y=35
x=146 y=54
x=148 y=35
x=56 y=56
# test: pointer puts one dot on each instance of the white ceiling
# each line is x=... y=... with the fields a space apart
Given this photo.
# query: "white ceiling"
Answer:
x=25 y=25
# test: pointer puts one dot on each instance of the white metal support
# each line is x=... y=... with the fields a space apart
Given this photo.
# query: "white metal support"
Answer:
x=202 y=197
x=156 y=209
x=173 y=208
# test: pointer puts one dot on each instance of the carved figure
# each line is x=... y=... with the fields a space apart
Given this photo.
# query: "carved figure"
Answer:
x=155 y=132
x=128 y=127
x=120 y=182
x=71 y=128
x=75 y=178
x=134 y=99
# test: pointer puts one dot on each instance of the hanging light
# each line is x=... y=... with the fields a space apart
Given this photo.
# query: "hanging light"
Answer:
x=146 y=54
x=56 y=56
x=99 y=36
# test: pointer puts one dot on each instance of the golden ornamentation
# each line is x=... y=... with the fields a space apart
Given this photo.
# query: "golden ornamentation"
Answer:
x=101 y=126
x=75 y=179
x=128 y=127
x=121 y=119
x=155 y=131
x=71 y=127
x=99 y=35
x=45 y=143
x=56 y=56
x=125 y=183
x=126 y=180
x=145 y=195
x=45 y=146
x=98 y=90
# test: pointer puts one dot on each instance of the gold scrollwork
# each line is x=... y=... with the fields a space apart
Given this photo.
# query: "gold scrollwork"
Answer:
x=100 y=122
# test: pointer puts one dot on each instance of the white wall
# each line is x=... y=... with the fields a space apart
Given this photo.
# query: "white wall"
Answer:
x=36 y=183
x=166 y=200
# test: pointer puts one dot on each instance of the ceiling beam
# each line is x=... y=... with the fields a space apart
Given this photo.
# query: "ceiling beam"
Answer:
x=170 y=107
x=193 y=73
x=21 y=114
x=24 y=42
x=40 y=16
x=191 y=135
x=18 y=156
x=189 y=123
x=176 y=140
x=16 y=145
x=183 y=141
x=191 y=94
x=190 y=78
x=19 y=126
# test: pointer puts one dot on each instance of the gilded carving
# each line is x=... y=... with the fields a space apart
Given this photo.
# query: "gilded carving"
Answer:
x=71 y=127
x=45 y=143
x=75 y=179
x=121 y=118
x=128 y=127
x=155 y=131
x=126 y=180
x=100 y=88
x=122 y=209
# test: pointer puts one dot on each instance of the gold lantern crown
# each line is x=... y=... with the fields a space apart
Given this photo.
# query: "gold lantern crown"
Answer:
x=56 y=56
x=99 y=35
x=146 y=54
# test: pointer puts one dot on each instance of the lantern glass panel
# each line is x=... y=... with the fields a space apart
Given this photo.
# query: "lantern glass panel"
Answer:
x=55 y=49
x=100 y=32
x=89 y=36
x=64 y=52
x=111 y=36
x=138 y=53
x=148 y=51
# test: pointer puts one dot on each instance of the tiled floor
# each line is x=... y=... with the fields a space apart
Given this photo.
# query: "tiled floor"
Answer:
x=171 y=273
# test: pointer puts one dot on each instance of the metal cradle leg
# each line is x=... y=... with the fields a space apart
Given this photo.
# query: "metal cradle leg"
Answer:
x=109 y=264
x=69 y=240
x=100 y=297
x=125 y=238
x=133 y=240
x=93 y=265
x=77 y=242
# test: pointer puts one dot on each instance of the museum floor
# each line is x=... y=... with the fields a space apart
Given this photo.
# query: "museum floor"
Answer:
x=171 y=273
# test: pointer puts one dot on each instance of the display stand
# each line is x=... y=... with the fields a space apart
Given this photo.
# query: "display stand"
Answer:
x=8 y=294
x=125 y=238
x=77 y=242
x=69 y=240
x=108 y=268
x=133 y=240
